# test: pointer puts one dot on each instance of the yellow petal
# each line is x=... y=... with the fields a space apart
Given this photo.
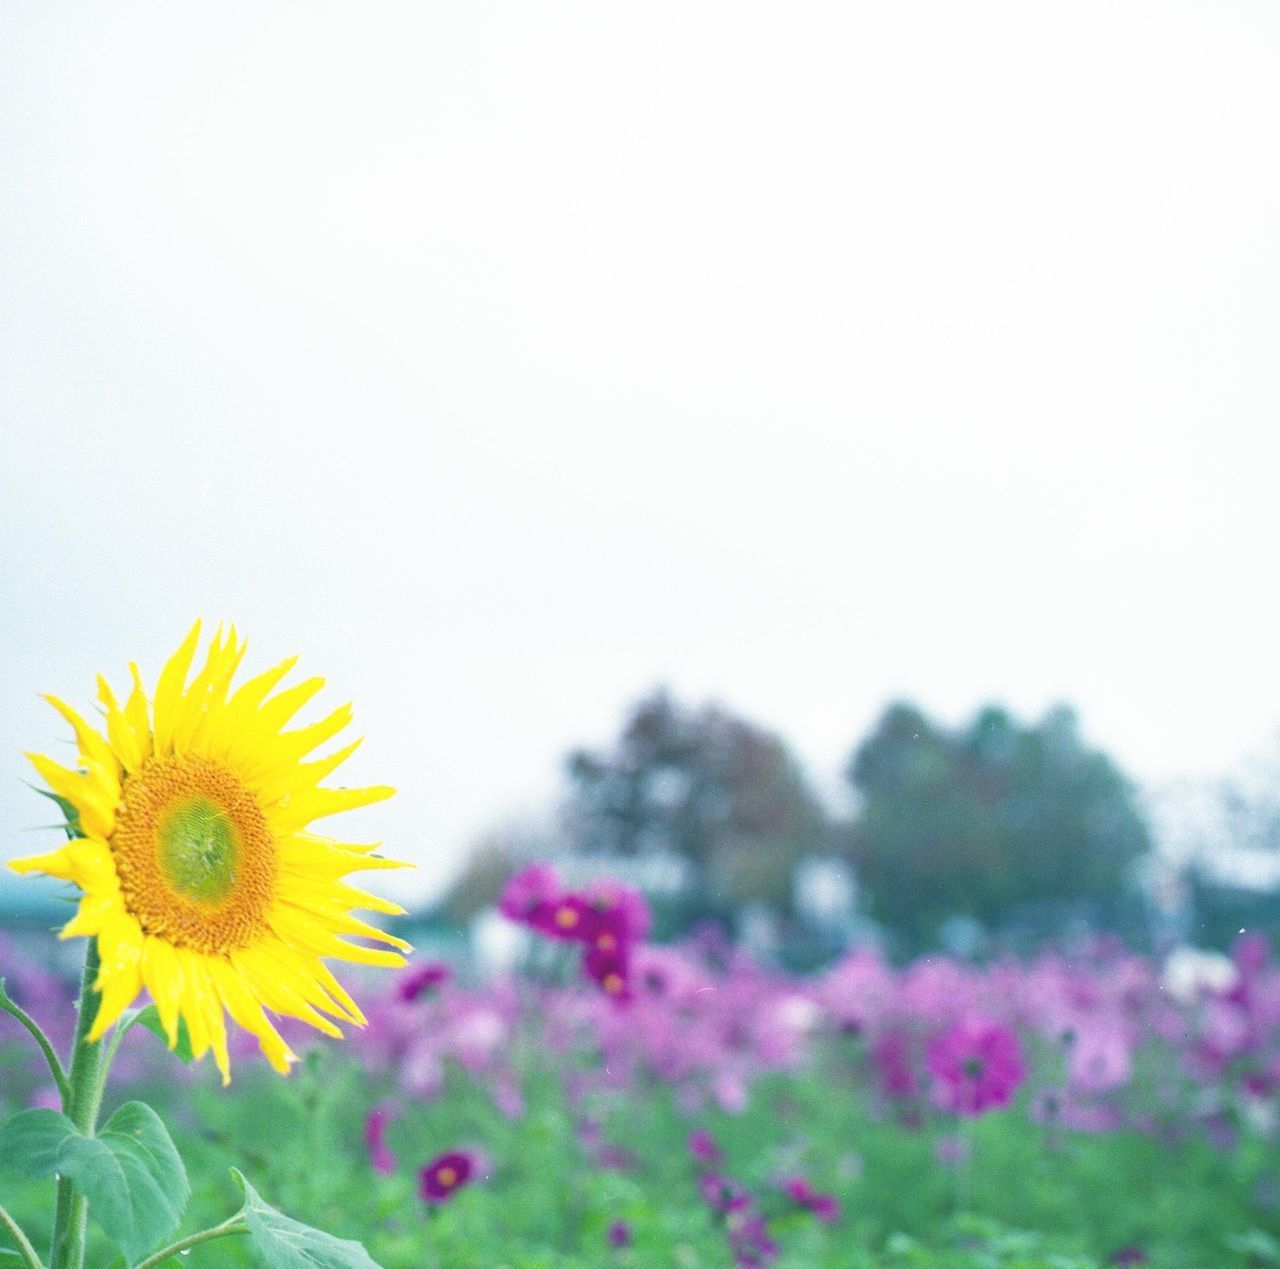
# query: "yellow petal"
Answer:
x=315 y=804
x=119 y=974
x=245 y=1010
x=163 y=976
x=55 y=863
x=95 y=805
x=169 y=689
x=130 y=749
x=96 y=755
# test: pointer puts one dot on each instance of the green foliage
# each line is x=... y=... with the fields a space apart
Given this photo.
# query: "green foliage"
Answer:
x=283 y=1243
x=129 y=1169
x=150 y=1018
x=993 y=821
x=723 y=794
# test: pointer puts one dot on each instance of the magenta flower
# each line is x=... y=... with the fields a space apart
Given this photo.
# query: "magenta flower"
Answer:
x=619 y=1234
x=375 y=1139
x=703 y=1148
x=531 y=888
x=826 y=1207
x=608 y=970
x=722 y=1193
x=624 y=906
x=569 y=918
x=418 y=980
x=442 y=1176
x=749 y=1240
x=976 y=1066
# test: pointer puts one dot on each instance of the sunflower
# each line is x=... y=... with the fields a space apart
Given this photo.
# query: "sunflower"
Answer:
x=200 y=878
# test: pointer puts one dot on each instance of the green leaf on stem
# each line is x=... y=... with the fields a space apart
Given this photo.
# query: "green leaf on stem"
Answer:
x=150 y=1018
x=133 y=1177
x=129 y=1170
x=279 y=1242
x=30 y=1142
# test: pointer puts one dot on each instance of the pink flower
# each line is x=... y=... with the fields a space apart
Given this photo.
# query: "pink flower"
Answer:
x=568 y=918
x=375 y=1139
x=625 y=906
x=609 y=971
x=418 y=980
x=529 y=889
x=826 y=1207
x=703 y=1148
x=976 y=1065
x=442 y=1176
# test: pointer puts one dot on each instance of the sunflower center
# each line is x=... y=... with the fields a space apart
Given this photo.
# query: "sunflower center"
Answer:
x=199 y=850
x=195 y=857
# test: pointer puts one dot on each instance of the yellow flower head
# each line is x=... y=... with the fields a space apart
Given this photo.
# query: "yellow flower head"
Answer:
x=200 y=879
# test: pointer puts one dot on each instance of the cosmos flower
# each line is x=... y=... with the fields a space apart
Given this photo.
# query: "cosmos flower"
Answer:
x=976 y=1066
x=375 y=1139
x=609 y=971
x=531 y=888
x=419 y=980
x=568 y=918
x=826 y=1207
x=703 y=1148
x=200 y=877
x=623 y=906
x=438 y=1181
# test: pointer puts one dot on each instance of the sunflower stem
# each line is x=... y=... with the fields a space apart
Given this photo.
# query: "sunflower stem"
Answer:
x=84 y=1097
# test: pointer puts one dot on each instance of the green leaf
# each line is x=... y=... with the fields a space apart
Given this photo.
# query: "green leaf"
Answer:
x=67 y=808
x=31 y=1142
x=279 y=1242
x=132 y=1176
x=150 y=1018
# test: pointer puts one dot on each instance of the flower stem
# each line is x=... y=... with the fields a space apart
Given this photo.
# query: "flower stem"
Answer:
x=84 y=1097
x=20 y=1241
x=55 y=1067
x=234 y=1225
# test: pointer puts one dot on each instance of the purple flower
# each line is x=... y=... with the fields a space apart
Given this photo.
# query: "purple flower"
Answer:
x=826 y=1207
x=1130 y=1255
x=703 y=1148
x=891 y=1054
x=418 y=980
x=443 y=1175
x=749 y=1239
x=976 y=1065
x=722 y=1193
x=608 y=970
x=624 y=906
x=568 y=919
x=533 y=887
x=375 y=1139
x=619 y=1234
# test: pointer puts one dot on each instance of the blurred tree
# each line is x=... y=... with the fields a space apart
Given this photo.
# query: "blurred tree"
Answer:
x=495 y=857
x=724 y=796
x=989 y=820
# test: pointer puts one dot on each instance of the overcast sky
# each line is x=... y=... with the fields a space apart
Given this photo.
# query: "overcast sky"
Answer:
x=505 y=359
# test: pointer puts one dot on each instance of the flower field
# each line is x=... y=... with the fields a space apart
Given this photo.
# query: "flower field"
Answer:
x=623 y=1103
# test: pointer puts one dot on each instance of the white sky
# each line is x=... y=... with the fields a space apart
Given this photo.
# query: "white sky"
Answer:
x=506 y=358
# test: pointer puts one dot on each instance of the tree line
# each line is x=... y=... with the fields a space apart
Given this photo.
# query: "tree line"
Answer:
x=996 y=820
